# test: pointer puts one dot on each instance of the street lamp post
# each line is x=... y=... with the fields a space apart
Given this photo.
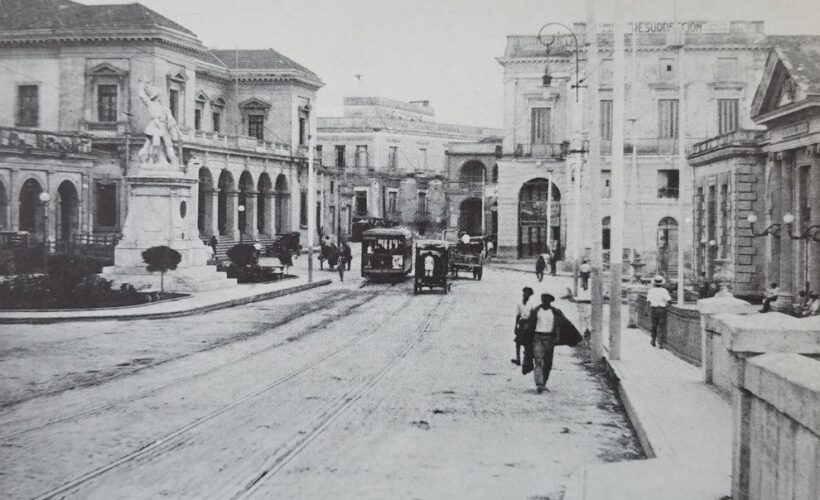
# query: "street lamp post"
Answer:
x=241 y=209
x=45 y=198
x=547 y=78
x=807 y=234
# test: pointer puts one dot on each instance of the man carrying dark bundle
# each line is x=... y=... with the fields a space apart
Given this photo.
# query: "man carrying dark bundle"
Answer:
x=547 y=328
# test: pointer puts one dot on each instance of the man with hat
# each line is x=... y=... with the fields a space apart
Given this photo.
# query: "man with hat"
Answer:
x=658 y=298
x=544 y=325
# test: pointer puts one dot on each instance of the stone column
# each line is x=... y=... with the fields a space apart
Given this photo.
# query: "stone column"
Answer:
x=786 y=205
x=212 y=218
x=814 y=196
x=772 y=194
x=272 y=214
x=267 y=213
x=250 y=215
x=231 y=211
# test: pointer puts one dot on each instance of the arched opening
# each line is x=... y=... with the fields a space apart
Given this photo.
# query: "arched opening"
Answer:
x=471 y=174
x=226 y=189
x=667 y=252
x=282 y=203
x=532 y=218
x=245 y=190
x=4 y=208
x=68 y=211
x=205 y=204
x=32 y=210
x=469 y=217
x=263 y=204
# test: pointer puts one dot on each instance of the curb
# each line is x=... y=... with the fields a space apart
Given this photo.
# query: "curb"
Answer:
x=170 y=314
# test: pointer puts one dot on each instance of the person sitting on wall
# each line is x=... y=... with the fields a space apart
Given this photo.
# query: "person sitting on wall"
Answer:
x=771 y=295
x=813 y=308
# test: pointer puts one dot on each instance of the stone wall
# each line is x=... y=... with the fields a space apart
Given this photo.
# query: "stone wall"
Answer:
x=777 y=429
x=683 y=330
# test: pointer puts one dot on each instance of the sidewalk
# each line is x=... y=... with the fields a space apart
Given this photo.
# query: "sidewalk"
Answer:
x=197 y=303
x=684 y=426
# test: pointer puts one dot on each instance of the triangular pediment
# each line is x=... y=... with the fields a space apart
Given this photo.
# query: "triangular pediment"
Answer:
x=779 y=86
x=106 y=69
x=178 y=76
x=254 y=103
x=202 y=97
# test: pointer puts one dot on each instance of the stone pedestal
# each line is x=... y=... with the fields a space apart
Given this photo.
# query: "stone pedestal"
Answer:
x=161 y=211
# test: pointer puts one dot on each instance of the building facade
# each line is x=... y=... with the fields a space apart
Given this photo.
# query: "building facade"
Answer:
x=75 y=69
x=757 y=203
x=544 y=142
x=391 y=159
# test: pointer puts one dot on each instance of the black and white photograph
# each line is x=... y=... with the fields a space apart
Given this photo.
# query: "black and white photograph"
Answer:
x=410 y=249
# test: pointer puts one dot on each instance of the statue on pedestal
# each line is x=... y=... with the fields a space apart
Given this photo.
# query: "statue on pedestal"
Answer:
x=161 y=131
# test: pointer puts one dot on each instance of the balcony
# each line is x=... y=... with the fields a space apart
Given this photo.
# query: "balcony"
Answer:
x=423 y=216
x=551 y=150
x=649 y=146
x=668 y=192
x=104 y=129
x=393 y=217
x=242 y=143
x=26 y=139
x=738 y=138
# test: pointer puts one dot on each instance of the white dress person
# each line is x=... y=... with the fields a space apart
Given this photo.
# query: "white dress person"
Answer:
x=161 y=131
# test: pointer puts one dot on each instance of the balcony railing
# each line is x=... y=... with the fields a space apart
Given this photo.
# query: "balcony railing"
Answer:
x=393 y=216
x=739 y=137
x=648 y=146
x=105 y=129
x=551 y=150
x=422 y=216
x=668 y=192
x=243 y=143
x=25 y=139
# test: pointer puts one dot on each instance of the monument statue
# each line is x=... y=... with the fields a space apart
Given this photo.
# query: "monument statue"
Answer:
x=161 y=131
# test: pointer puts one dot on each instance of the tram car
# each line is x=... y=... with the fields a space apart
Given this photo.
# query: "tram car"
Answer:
x=387 y=253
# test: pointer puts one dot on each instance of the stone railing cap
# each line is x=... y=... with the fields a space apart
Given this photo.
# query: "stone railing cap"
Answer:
x=790 y=383
x=769 y=332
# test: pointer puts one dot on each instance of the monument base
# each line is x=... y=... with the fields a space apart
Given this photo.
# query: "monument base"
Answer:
x=162 y=212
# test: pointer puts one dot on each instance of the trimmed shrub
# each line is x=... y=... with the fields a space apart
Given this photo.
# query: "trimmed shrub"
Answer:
x=162 y=259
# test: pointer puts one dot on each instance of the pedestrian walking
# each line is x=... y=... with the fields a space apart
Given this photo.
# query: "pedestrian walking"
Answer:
x=341 y=263
x=658 y=298
x=347 y=253
x=522 y=318
x=585 y=271
x=553 y=263
x=540 y=265
x=547 y=328
x=429 y=265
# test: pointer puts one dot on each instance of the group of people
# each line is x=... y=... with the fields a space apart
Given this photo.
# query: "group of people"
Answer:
x=807 y=304
x=541 y=263
x=538 y=329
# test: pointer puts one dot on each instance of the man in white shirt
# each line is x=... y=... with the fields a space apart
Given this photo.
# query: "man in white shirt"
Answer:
x=522 y=317
x=429 y=265
x=658 y=298
x=543 y=342
x=585 y=271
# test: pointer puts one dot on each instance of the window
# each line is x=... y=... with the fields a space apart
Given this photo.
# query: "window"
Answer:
x=105 y=204
x=392 y=202
x=361 y=156
x=28 y=108
x=318 y=153
x=318 y=218
x=303 y=213
x=361 y=203
x=173 y=103
x=198 y=118
x=668 y=183
x=668 y=118
x=727 y=115
x=606 y=179
x=302 y=130
x=423 y=155
x=107 y=103
x=340 y=157
x=724 y=220
x=256 y=126
x=666 y=70
x=606 y=71
x=216 y=116
x=422 y=201
x=393 y=158
x=541 y=123
x=606 y=120
x=332 y=186
x=605 y=233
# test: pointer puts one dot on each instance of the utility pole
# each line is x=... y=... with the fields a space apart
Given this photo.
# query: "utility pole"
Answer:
x=549 y=211
x=617 y=197
x=683 y=167
x=311 y=194
x=594 y=159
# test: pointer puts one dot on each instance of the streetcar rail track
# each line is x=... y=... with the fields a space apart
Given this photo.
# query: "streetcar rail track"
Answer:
x=166 y=439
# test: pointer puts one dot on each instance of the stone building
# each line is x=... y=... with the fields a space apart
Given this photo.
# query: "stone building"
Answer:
x=472 y=176
x=772 y=176
x=543 y=140
x=74 y=69
x=390 y=157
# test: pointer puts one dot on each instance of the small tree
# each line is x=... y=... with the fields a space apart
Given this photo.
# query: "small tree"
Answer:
x=161 y=259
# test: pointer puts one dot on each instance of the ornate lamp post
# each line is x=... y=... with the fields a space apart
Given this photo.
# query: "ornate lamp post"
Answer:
x=241 y=209
x=547 y=41
x=45 y=198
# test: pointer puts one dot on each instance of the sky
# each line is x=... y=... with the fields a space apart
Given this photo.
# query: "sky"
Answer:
x=443 y=51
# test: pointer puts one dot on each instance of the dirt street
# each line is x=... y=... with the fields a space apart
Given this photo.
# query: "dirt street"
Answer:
x=350 y=391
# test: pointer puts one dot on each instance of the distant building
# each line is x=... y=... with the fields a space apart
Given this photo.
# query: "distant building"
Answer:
x=390 y=159
x=774 y=175
x=723 y=62
x=472 y=176
x=73 y=69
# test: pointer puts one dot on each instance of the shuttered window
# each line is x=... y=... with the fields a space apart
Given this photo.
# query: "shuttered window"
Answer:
x=727 y=115
x=606 y=120
x=28 y=107
x=541 y=125
x=107 y=103
x=668 y=118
